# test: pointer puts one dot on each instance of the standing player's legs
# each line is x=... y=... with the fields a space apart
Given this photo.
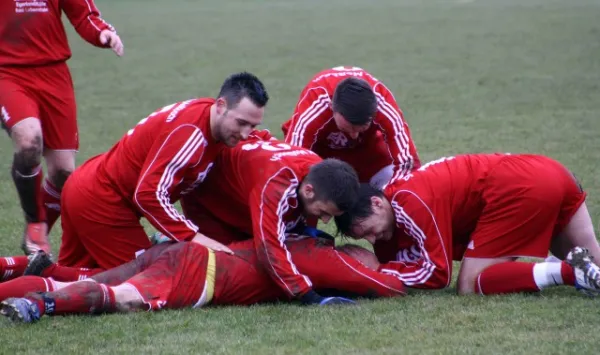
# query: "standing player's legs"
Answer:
x=521 y=215
x=20 y=117
x=58 y=113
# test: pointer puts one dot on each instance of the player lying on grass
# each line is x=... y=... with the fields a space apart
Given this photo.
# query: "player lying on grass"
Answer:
x=168 y=153
x=181 y=275
x=486 y=210
x=348 y=114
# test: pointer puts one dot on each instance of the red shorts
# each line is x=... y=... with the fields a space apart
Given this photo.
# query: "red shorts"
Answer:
x=367 y=159
x=100 y=229
x=182 y=276
x=45 y=92
x=210 y=225
x=528 y=200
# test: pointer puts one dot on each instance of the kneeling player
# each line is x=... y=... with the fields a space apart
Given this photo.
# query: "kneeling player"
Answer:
x=488 y=210
x=191 y=275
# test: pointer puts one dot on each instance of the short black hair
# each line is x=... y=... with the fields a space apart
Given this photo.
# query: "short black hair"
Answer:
x=240 y=85
x=336 y=181
x=361 y=210
x=355 y=100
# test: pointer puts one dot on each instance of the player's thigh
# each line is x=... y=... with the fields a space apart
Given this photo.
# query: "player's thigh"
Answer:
x=470 y=269
x=113 y=245
x=19 y=114
x=58 y=113
x=72 y=252
x=522 y=209
x=176 y=279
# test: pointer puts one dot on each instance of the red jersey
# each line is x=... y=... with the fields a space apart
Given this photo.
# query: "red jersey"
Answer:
x=32 y=32
x=312 y=125
x=254 y=190
x=166 y=154
x=242 y=280
x=436 y=207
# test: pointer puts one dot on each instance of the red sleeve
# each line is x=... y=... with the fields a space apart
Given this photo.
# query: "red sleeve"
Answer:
x=163 y=170
x=330 y=269
x=390 y=120
x=427 y=264
x=309 y=117
x=268 y=204
x=85 y=17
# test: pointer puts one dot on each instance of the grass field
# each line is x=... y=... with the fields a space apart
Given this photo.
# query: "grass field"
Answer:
x=471 y=76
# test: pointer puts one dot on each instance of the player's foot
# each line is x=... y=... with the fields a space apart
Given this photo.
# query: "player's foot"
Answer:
x=587 y=274
x=159 y=238
x=20 y=310
x=35 y=238
x=38 y=262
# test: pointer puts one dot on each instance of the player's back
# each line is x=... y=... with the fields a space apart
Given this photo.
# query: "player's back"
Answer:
x=127 y=161
x=25 y=26
x=456 y=182
x=242 y=171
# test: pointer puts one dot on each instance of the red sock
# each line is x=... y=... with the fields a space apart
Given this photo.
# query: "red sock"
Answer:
x=67 y=273
x=82 y=297
x=507 y=277
x=514 y=277
x=51 y=198
x=19 y=287
x=12 y=267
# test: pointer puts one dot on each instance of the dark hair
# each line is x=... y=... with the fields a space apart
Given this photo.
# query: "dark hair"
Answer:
x=362 y=209
x=241 y=85
x=355 y=100
x=336 y=181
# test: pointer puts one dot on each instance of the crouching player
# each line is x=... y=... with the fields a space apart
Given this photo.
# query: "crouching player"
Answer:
x=190 y=275
x=486 y=210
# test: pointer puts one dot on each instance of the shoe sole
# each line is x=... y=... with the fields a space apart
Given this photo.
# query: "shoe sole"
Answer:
x=38 y=263
x=11 y=312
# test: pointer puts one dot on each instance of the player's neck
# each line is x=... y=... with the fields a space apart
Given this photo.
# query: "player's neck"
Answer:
x=213 y=121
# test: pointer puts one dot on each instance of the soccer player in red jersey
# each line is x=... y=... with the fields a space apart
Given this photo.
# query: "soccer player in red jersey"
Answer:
x=264 y=189
x=486 y=210
x=37 y=101
x=191 y=275
x=348 y=114
x=166 y=155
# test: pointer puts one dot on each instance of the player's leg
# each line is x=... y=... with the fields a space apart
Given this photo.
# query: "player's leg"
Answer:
x=12 y=267
x=579 y=231
x=20 y=117
x=21 y=286
x=519 y=219
x=59 y=119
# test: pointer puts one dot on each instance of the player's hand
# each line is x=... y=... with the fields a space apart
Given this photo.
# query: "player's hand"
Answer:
x=211 y=243
x=108 y=37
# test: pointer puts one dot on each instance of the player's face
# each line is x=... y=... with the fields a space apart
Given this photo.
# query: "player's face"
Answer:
x=352 y=130
x=236 y=123
x=312 y=207
x=377 y=227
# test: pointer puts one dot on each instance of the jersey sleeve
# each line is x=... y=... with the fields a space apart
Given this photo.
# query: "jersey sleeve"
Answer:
x=390 y=120
x=309 y=117
x=333 y=270
x=163 y=170
x=428 y=263
x=268 y=205
x=85 y=18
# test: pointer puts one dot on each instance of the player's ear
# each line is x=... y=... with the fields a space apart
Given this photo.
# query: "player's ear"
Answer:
x=376 y=203
x=221 y=105
x=309 y=191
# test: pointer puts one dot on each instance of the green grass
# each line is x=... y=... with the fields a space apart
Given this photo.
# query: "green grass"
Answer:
x=471 y=76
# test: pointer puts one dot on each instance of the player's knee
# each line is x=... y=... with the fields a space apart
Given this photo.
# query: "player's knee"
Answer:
x=127 y=298
x=27 y=133
x=465 y=285
x=59 y=177
x=27 y=159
